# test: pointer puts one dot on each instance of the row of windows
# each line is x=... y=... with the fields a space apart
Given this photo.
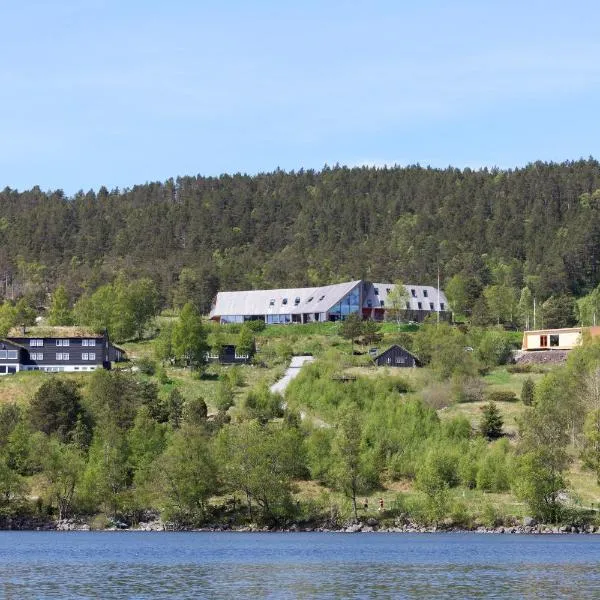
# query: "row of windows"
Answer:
x=62 y=356
x=9 y=354
x=297 y=300
x=61 y=342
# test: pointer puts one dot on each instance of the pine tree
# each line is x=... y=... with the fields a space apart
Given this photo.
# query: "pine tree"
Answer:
x=491 y=422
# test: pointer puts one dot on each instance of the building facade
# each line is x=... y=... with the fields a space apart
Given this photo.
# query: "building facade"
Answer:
x=57 y=349
x=327 y=303
x=396 y=356
x=556 y=339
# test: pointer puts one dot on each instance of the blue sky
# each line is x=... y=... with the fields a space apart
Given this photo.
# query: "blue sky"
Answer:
x=122 y=92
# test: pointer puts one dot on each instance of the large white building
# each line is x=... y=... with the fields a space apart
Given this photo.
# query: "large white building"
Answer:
x=326 y=303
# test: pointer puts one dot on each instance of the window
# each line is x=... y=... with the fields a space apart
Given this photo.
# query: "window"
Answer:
x=543 y=341
x=425 y=293
x=377 y=291
x=240 y=355
x=381 y=303
x=36 y=342
x=388 y=290
x=62 y=342
x=92 y=356
x=554 y=341
x=272 y=302
x=3 y=354
x=420 y=305
x=369 y=304
x=284 y=301
x=414 y=293
x=62 y=356
x=442 y=306
x=88 y=342
x=400 y=360
x=310 y=299
x=321 y=298
x=431 y=306
x=10 y=354
x=297 y=300
x=37 y=356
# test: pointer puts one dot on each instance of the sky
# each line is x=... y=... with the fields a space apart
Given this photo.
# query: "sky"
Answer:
x=121 y=92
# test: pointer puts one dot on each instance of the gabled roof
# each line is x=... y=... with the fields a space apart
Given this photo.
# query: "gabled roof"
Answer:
x=11 y=343
x=425 y=294
x=400 y=348
x=47 y=331
x=271 y=302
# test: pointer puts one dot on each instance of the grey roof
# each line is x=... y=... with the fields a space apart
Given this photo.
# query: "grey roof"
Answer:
x=271 y=302
x=425 y=294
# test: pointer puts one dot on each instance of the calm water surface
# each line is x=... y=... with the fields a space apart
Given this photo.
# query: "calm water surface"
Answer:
x=245 y=565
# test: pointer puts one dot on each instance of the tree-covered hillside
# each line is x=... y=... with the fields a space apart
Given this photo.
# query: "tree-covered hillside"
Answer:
x=538 y=227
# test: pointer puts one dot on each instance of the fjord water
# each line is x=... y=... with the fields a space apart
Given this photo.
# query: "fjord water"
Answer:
x=299 y=565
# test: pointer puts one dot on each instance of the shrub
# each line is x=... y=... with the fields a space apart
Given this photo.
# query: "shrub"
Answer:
x=468 y=389
x=527 y=392
x=501 y=396
x=255 y=326
x=146 y=365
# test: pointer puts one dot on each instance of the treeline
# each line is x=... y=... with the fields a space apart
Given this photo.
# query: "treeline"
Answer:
x=537 y=228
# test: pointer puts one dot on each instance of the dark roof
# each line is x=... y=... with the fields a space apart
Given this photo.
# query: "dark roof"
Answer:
x=400 y=348
x=8 y=341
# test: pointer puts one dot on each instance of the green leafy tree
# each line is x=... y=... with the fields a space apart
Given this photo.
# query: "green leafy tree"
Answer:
x=525 y=308
x=352 y=328
x=189 y=338
x=491 y=423
x=24 y=314
x=371 y=333
x=348 y=471
x=8 y=317
x=56 y=407
x=501 y=301
x=398 y=299
x=539 y=484
x=559 y=311
x=60 y=312
x=245 y=341
x=195 y=412
x=188 y=475
x=62 y=467
x=262 y=462
x=107 y=475
x=591 y=447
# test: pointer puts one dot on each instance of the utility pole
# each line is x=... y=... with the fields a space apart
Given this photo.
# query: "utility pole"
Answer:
x=438 y=294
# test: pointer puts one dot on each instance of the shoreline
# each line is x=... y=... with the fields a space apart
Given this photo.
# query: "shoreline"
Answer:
x=69 y=525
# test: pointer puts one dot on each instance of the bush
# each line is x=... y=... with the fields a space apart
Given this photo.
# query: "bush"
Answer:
x=255 y=326
x=146 y=365
x=528 y=392
x=468 y=389
x=501 y=396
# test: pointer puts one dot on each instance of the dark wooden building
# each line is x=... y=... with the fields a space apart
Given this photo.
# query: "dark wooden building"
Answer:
x=229 y=356
x=57 y=349
x=396 y=356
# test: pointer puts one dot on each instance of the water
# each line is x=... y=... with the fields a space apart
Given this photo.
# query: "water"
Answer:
x=271 y=565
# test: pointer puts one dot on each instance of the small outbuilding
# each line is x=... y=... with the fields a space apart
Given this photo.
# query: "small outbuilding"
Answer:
x=396 y=356
x=229 y=356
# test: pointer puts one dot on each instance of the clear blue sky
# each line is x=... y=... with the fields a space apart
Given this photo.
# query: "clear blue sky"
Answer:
x=120 y=92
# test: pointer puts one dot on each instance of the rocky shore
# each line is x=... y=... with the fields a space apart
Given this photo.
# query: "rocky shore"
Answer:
x=527 y=527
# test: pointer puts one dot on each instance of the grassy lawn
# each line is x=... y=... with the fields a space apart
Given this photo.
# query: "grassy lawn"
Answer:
x=21 y=386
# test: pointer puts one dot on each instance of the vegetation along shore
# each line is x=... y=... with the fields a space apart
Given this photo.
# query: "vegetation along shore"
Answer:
x=170 y=438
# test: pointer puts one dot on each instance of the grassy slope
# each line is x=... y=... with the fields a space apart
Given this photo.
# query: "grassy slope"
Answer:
x=318 y=339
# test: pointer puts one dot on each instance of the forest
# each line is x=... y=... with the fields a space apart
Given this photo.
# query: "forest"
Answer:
x=534 y=228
